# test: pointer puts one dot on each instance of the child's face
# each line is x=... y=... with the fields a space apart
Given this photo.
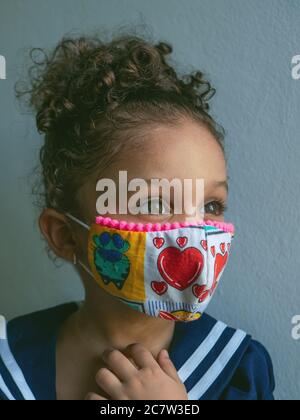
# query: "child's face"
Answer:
x=188 y=151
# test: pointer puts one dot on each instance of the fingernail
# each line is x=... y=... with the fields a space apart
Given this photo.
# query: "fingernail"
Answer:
x=107 y=351
x=165 y=353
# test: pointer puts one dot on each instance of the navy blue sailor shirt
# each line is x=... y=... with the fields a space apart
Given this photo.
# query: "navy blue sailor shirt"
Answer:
x=213 y=360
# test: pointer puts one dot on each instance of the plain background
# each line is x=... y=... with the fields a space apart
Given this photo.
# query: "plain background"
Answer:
x=245 y=48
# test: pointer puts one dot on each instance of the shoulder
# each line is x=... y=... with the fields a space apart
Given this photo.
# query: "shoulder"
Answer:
x=27 y=345
x=254 y=376
x=216 y=361
x=35 y=325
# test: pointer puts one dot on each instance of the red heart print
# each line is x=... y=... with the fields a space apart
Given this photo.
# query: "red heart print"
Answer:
x=213 y=250
x=222 y=247
x=159 y=287
x=204 y=244
x=220 y=262
x=201 y=292
x=158 y=242
x=180 y=268
x=182 y=241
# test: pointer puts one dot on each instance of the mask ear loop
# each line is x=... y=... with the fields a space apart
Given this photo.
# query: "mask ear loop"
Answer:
x=75 y=260
x=82 y=265
x=86 y=268
x=78 y=221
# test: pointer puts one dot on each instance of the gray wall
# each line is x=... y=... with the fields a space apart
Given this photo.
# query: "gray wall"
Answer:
x=246 y=48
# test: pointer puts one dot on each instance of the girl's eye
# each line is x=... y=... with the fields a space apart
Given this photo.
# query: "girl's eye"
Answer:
x=154 y=206
x=215 y=207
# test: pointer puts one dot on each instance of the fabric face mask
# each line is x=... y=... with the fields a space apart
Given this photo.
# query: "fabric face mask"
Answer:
x=163 y=270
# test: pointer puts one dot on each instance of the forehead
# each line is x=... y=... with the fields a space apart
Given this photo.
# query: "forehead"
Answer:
x=186 y=151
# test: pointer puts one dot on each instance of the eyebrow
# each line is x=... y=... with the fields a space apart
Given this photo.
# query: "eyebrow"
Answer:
x=214 y=184
x=221 y=184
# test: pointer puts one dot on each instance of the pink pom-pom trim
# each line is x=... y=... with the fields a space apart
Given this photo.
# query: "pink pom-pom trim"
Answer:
x=156 y=227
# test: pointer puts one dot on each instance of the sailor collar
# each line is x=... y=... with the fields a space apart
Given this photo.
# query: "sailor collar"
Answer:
x=205 y=352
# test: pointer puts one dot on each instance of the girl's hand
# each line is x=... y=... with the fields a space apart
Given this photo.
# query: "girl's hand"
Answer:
x=148 y=379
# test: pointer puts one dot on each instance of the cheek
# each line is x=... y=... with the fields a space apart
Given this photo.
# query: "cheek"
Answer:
x=215 y=218
x=87 y=206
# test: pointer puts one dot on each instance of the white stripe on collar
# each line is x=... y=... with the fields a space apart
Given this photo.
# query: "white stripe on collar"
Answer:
x=5 y=390
x=202 y=351
x=216 y=369
x=2 y=328
x=11 y=364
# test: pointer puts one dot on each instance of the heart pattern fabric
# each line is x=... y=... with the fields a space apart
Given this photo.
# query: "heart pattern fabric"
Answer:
x=180 y=267
x=171 y=273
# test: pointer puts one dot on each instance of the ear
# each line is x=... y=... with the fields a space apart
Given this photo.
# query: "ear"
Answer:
x=57 y=230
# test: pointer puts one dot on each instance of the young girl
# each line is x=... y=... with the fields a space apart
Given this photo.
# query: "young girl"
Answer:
x=141 y=331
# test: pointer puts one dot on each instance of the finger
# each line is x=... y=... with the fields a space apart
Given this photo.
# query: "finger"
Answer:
x=108 y=382
x=141 y=356
x=91 y=396
x=167 y=365
x=119 y=364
